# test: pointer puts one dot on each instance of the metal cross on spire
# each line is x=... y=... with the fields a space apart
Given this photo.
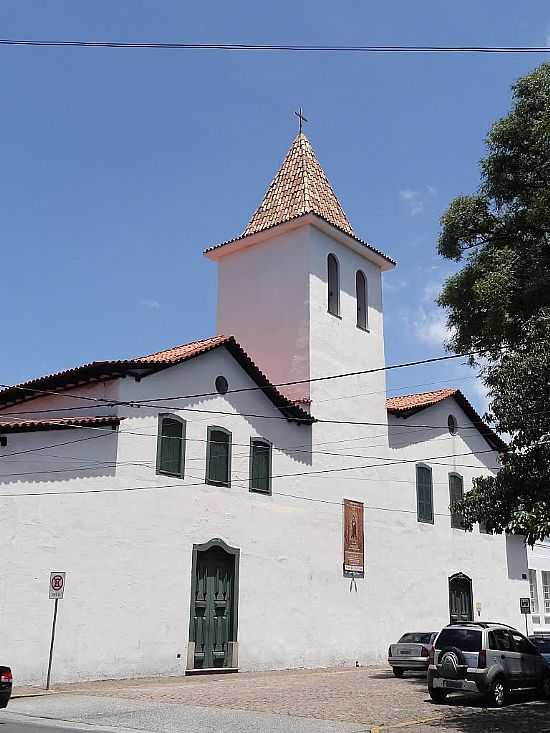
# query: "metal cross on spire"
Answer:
x=300 y=115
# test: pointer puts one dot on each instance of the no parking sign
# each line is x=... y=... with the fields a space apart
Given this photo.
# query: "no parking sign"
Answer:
x=57 y=585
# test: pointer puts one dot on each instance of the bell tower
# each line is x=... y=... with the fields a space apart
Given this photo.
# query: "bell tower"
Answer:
x=299 y=290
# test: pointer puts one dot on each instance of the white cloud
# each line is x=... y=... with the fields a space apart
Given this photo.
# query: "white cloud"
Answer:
x=150 y=303
x=430 y=326
x=417 y=200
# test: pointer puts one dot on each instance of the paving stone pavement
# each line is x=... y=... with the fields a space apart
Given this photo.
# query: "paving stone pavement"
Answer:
x=338 y=700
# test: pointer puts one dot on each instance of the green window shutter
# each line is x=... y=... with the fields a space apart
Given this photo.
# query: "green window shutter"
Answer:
x=361 y=298
x=260 y=466
x=456 y=494
x=333 y=282
x=171 y=446
x=218 y=467
x=424 y=494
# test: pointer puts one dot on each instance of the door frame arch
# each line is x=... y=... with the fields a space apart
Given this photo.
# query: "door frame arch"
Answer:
x=461 y=576
x=233 y=552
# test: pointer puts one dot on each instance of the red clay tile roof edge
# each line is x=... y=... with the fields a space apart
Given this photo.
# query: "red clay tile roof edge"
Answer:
x=103 y=370
x=407 y=405
x=294 y=218
x=56 y=423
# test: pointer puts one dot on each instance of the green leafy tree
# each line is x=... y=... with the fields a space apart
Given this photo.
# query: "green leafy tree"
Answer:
x=498 y=306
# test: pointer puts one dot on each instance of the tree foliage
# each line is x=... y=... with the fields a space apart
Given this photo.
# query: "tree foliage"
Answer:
x=498 y=306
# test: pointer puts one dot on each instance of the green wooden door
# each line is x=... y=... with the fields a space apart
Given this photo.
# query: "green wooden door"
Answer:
x=212 y=622
x=460 y=599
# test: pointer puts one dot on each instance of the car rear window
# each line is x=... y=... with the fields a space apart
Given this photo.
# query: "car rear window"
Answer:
x=417 y=638
x=467 y=640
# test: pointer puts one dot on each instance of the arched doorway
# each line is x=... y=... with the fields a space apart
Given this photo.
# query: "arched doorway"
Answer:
x=460 y=598
x=214 y=606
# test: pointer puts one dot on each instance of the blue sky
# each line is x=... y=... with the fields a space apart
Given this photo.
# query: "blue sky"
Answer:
x=120 y=166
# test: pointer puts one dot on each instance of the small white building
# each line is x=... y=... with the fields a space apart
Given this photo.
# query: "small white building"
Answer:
x=215 y=505
x=538 y=558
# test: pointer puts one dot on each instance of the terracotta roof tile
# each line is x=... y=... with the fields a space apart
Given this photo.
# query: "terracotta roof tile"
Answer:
x=404 y=403
x=300 y=187
x=57 y=423
x=102 y=370
x=407 y=405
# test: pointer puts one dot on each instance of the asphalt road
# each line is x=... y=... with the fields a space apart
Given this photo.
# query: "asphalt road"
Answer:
x=24 y=727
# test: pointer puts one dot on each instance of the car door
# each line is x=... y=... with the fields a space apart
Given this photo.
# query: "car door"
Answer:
x=528 y=659
x=510 y=659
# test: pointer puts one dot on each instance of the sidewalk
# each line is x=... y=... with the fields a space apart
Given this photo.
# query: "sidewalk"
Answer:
x=337 y=700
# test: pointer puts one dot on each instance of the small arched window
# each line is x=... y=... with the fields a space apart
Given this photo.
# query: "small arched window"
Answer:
x=424 y=494
x=362 y=300
x=218 y=456
x=333 y=280
x=171 y=445
x=456 y=494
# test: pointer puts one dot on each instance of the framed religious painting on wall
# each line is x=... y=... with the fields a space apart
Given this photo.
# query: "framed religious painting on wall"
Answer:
x=354 y=539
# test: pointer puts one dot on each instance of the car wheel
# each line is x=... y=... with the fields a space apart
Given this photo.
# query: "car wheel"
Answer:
x=398 y=672
x=544 y=686
x=498 y=693
x=437 y=694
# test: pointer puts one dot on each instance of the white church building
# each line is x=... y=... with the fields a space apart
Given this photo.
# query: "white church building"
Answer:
x=220 y=505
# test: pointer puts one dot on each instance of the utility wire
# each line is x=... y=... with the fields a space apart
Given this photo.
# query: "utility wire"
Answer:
x=104 y=400
x=263 y=47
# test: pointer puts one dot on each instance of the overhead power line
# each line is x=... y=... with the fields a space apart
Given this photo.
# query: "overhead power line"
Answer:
x=342 y=375
x=268 y=47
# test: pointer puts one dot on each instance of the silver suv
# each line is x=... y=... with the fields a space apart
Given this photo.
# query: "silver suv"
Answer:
x=486 y=658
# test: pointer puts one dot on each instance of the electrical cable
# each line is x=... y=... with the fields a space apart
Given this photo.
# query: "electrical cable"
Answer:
x=267 y=47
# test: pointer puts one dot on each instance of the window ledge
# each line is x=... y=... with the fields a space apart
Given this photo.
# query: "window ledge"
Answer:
x=211 y=482
x=334 y=315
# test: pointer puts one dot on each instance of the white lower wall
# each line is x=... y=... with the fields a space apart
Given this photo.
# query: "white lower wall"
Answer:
x=128 y=554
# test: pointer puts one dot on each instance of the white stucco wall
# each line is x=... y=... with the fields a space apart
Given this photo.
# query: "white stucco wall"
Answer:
x=128 y=553
x=125 y=535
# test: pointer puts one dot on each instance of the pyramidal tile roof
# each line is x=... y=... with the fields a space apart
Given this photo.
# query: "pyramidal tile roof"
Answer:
x=300 y=187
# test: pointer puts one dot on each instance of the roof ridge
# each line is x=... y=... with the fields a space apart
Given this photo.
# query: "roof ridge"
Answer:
x=300 y=186
x=307 y=202
x=427 y=392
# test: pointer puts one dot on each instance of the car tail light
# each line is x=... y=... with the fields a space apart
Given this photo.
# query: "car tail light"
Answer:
x=482 y=659
x=6 y=676
x=432 y=655
x=424 y=652
x=389 y=651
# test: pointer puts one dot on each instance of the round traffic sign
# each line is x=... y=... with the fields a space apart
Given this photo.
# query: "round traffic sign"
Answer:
x=57 y=582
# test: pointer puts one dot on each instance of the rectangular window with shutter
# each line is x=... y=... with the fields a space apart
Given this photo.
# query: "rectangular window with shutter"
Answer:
x=456 y=494
x=424 y=494
x=534 y=591
x=546 y=590
x=218 y=457
x=260 y=465
x=171 y=445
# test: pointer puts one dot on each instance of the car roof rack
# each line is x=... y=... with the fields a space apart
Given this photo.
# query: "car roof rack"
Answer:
x=480 y=624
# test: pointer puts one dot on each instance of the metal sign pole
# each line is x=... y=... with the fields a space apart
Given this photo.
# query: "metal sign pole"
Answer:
x=51 y=644
x=526 y=629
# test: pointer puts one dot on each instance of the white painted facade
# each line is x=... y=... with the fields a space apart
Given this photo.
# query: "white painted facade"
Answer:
x=124 y=534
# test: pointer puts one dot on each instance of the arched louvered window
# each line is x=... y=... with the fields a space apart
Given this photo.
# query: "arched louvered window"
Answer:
x=424 y=494
x=333 y=280
x=456 y=494
x=218 y=456
x=362 y=300
x=171 y=445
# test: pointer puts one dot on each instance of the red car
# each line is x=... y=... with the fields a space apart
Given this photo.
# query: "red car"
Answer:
x=6 y=681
